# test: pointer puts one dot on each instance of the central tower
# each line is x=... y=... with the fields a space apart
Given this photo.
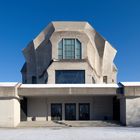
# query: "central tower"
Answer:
x=71 y=53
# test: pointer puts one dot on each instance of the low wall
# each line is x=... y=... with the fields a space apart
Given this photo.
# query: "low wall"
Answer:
x=133 y=111
x=9 y=105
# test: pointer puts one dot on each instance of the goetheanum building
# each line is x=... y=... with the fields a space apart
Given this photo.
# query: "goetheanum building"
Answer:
x=69 y=74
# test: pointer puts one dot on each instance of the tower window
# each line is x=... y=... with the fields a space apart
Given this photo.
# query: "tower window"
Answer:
x=105 y=79
x=69 y=49
x=34 y=80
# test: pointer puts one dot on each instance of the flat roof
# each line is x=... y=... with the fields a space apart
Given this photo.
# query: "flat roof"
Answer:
x=130 y=83
x=69 y=85
x=8 y=84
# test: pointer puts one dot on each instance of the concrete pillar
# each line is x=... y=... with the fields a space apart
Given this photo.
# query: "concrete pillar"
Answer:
x=123 y=110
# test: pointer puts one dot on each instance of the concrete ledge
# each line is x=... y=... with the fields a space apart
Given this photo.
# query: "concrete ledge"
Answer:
x=67 y=89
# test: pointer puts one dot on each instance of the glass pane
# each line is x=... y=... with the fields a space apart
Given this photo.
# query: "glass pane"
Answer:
x=78 y=49
x=70 y=76
x=70 y=111
x=60 y=50
x=69 y=48
x=84 y=111
x=56 y=111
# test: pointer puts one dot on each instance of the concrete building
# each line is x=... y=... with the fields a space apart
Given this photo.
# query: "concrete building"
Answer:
x=69 y=74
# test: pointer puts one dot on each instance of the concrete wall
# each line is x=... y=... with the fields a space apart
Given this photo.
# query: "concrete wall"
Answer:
x=89 y=73
x=102 y=107
x=37 y=107
x=133 y=111
x=9 y=105
x=9 y=112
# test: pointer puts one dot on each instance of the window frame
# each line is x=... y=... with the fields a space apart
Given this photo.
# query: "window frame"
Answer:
x=74 y=53
x=69 y=71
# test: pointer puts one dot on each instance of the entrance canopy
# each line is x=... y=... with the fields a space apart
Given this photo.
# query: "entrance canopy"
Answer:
x=67 y=89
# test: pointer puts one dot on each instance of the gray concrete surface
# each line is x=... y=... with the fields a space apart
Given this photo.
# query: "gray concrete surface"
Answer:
x=71 y=133
x=46 y=124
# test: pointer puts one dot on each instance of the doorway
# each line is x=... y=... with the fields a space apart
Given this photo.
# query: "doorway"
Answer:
x=70 y=111
x=84 y=111
x=56 y=111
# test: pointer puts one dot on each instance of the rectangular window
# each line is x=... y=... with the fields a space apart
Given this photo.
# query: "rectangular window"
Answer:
x=60 y=50
x=34 y=80
x=69 y=49
x=105 y=79
x=69 y=76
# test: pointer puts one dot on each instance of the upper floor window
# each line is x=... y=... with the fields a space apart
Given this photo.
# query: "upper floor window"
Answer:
x=105 y=79
x=69 y=49
x=69 y=76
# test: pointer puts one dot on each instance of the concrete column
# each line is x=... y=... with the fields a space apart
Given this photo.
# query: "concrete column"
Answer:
x=123 y=110
x=63 y=111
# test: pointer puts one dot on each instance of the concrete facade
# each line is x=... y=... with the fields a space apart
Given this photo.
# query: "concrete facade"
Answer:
x=42 y=60
x=69 y=74
x=41 y=96
x=41 y=107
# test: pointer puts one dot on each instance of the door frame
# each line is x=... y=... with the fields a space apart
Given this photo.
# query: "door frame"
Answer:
x=65 y=109
x=61 y=109
x=88 y=110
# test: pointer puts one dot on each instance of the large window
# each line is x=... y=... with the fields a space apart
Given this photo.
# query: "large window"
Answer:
x=69 y=76
x=69 y=49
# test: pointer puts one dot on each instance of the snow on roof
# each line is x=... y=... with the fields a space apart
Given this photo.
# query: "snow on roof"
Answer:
x=69 y=85
x=130 y=83
x=8 y=84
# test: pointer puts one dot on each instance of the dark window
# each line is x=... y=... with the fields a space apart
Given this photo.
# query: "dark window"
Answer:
x=34 y=80
x=69 y=76
x=105 y=79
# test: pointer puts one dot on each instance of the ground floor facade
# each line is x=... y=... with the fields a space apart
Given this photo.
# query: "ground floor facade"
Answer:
x=70 y=108
x=106 y=102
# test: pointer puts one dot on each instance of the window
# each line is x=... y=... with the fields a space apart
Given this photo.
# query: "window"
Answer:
x=69 y=76
x=69 y=49
x=105 y=79
x=34 y=80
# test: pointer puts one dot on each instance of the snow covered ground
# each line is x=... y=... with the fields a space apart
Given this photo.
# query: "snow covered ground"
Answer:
x=71 y=133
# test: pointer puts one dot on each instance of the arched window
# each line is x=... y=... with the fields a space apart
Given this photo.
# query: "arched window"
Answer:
x=69 y=49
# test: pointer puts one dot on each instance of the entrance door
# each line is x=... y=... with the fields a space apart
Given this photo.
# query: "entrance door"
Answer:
x=56 y=111
x=84 y=111
x=70 y=111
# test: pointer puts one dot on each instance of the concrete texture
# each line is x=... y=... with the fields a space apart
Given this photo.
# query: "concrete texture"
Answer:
x=41 y=54
x=67 y=124
x=40 y=96
x=133 y=111
x=9 y=105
